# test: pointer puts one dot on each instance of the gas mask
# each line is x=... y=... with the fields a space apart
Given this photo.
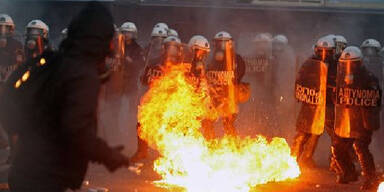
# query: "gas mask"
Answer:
x=5 y=32
x=324 y=54
x=220 y=46
x=34 y=46
x=369 y=51
x=340 y=47
x=172 y=53
x=277 y=47
x=128 y=37
x=156 y=43
x=199 y=60
x=219 y=55
x=34 y=42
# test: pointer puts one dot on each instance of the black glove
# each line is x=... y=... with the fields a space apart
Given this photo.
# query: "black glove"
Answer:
x=116 y=159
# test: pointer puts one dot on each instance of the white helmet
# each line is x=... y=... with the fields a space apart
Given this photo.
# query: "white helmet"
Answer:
x=171 y=40
x=6 y=20
x=326 y=42
x=280 y=39
x=159 y=32
x=332 y=36
x=223 y=36
x=371 y=43
x=172 y=32
x=351 y=53
x=262 y=37
x=38 y=24
x=129 y=27
x=340 y=39
x=199 y=42
x=161 y=25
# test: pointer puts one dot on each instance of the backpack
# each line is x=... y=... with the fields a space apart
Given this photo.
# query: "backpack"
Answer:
x=20 y=93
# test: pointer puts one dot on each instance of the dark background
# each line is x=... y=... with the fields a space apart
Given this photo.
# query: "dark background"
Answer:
x=302 y=26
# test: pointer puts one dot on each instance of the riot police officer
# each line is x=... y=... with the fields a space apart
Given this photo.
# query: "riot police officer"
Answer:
x=171 y=54
x=314 y=88
x=358 y=98
x=200 y=48
x=11 y=56
x=172 y=32
x=133 y=59
x=224 y=74
x=153 y=49
x=11 y=50
x=341 y=44
x=36 y=38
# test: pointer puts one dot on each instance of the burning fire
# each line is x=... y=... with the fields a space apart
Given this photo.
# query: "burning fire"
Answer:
x=381 y=187
x=171 y=115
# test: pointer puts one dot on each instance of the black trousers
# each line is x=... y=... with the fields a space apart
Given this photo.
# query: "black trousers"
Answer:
x=341 y=146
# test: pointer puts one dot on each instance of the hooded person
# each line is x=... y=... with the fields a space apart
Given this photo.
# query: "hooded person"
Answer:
x=61 y=137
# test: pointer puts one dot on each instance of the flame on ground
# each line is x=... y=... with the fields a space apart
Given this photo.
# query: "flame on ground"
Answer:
x=171 y=115
x=381 y=187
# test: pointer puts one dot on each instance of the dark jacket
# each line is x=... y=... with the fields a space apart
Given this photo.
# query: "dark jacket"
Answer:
x=357 y=104
x=10 y=56
x=61 y=140
x=133 y=68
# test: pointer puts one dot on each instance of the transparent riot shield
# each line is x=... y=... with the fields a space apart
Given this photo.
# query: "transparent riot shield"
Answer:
x=221 y=77
x=358 y=99
x=310 y=90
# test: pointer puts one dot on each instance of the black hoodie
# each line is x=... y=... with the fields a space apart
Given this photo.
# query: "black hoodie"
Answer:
x=55 y=150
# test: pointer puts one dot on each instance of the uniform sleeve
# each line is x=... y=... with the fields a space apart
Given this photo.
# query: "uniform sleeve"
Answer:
x=79 y=117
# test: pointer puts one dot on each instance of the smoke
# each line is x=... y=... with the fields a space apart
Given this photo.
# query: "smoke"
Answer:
x=302 y=27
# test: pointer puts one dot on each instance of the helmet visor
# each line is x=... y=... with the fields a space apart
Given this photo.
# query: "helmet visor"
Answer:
x=128 y=34
x=5 y=30
x=34 y=32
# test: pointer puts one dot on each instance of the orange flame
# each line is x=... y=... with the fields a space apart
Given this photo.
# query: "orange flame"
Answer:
x=231 y=87
x=345 y=121
x=319 y=116
x=40 y=46
x=171 y=115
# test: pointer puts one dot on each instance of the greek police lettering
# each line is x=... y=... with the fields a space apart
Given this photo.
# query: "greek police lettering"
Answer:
x=358 y=97
x=153 y=74
x=308 y=95
x=220 y=77
x=258 y=64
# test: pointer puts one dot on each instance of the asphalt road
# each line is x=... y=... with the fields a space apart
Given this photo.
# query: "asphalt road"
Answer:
x=127 y=180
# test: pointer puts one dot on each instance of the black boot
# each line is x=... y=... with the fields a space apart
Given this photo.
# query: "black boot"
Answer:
x=142 y=149
x=307 y=156
x=367 y=164
x=298 y=144
x=342 y=164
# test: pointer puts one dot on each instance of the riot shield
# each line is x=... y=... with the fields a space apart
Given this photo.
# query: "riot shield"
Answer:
x=374 y=64
x=221 y=78
x=310 y=90
x=358 y=99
